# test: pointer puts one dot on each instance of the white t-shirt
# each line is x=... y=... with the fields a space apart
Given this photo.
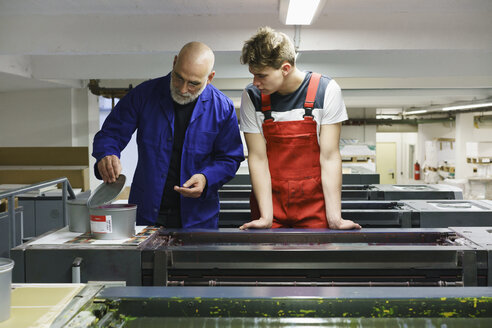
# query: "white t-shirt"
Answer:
x=329 y=107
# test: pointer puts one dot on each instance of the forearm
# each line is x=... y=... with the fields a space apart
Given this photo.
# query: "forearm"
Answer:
x=331 y=180
x=262 y=185
x=221 y=170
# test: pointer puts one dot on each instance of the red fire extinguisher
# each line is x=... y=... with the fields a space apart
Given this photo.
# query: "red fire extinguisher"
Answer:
x=416 y=171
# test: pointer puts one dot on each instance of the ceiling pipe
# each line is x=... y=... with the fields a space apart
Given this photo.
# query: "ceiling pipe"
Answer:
x=475 y=110
x=377 y=121
x=110 y=93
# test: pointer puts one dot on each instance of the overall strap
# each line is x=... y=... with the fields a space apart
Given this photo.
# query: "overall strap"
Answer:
x=311 y=94
x=266 y=107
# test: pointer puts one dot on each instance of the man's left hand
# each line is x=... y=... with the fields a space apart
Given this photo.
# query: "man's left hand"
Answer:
x=193 y=188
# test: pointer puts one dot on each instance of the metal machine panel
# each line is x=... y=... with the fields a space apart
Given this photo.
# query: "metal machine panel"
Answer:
x=451 y=213
x=360 y=192
x=481 y=237
x=49 y=215
x=29 y=207
x=388 y=214
x=373 y=214
x=4 y=234
x=5 y=230
x=55 y=265
x=279 y=257
x=423 y=191
x=352 y=178
x=396 y=257
x=49 y=259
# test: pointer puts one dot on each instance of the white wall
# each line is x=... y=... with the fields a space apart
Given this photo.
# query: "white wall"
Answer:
x=93 y=127
x=36 y=118
x=365 y=134
x=466 y=131
x=50 y=118
x=463 y=130
x=403 y=142
x=432 y=131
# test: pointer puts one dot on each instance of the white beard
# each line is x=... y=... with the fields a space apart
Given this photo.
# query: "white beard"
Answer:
x=187 y=97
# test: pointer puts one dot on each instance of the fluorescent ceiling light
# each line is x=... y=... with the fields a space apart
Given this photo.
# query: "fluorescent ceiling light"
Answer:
x=416 y=112
x=298 y=12
x=468 y=106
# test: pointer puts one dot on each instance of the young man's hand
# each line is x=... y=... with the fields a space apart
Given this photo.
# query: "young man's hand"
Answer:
x=194 y=187
x=261 y=223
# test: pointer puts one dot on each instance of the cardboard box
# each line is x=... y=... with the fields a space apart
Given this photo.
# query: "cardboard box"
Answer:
x=4 y=204
x=78 y=176
x=29 y=165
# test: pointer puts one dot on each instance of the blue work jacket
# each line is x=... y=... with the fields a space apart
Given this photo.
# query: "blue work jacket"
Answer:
x=212 y=146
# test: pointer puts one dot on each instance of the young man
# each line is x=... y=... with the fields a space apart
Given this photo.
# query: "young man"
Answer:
x=188 y=143
x=291 y=122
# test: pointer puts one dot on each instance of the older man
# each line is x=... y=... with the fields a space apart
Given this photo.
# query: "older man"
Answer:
x=188 y=143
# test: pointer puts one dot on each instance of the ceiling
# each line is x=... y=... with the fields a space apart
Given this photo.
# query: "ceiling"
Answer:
x=384 y=53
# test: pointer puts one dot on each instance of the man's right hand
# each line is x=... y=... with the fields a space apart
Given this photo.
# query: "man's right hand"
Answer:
x=109 y=168
x=261 y=223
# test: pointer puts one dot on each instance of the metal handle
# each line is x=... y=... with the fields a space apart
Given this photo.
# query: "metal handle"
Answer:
x=76 y=270
x=67 y=192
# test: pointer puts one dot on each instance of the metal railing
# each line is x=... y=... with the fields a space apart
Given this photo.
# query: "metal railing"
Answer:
x=67 y=193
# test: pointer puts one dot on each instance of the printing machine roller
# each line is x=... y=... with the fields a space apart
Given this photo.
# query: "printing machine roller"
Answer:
x=278 y=307
x=290 y=257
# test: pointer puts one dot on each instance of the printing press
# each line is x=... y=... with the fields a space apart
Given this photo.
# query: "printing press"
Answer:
x=234 y=199
x=442 y=249
x=366 y=192
x=374 y=277
x=283 y=278
x=286 y=278
x=281 y=257
x=357 y=187
x=388 y=214
x=396 y=192
x=347 y=179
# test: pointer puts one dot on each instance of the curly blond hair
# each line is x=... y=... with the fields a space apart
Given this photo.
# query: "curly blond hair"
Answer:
x=268 y=48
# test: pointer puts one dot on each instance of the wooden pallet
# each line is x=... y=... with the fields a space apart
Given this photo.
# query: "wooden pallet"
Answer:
x=449 y=169
x=357 y=159
x=479 y=160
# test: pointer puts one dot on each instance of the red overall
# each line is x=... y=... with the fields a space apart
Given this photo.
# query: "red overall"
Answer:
x=294 y=162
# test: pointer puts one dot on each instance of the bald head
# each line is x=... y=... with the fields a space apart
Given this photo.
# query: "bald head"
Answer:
x=197 y=54
x=192 y=72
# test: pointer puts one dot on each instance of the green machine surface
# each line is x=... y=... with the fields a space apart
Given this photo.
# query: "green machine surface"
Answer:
x=287 y=307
